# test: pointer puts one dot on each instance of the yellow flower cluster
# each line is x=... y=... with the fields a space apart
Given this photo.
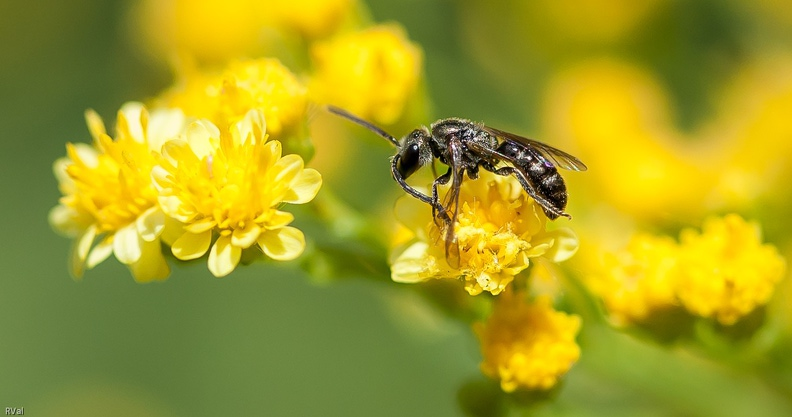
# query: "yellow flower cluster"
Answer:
x=231 y=185
x=162 y=178
x=165 y=28
x=243 y=85
x=108 y=195
x=499 y=230
x=634 y=281
x=527 y=345
x=723 y=272
x=371 y=73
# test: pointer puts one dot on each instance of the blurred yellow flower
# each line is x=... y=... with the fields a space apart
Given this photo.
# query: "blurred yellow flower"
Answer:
x=226 y=98
x=638 y=279
x=216 y=31
x=206 y=30
x=310 y=18
x=527 y=346
x=754 y=134
x=725 y=271
x=108 y=192
x=372 y=73
x=231 y=185
x=499 y=229
x=617 y=119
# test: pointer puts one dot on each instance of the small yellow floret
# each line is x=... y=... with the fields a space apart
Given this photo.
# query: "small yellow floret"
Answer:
x=371 y=73
x=244 y=85
x=527 y=346
x=725 y=271
x=499 y=229
x=228 y=188
x=639 y=279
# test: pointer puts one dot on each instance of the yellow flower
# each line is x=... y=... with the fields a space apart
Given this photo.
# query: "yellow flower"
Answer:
x=225 y=99
x=637 y=280
x=499 y=229
x=754 y=132
x=372 y=73
x=208 y=30
x=231 y=186
x=527 y=346
x=725 y=271
x=311 y=18
x=108 y=192
x=618 y=118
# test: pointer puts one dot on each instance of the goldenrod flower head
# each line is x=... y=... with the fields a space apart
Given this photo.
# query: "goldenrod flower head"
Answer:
x=527 y=346
x=638 y=279
x=619 y=120
x=371 y=73
x=225 y=99
x=499 y=229
x=754 y=131
x=208 y=30
x=231 y=185
x=108 y=193
x=311 y=18
x=725 y=271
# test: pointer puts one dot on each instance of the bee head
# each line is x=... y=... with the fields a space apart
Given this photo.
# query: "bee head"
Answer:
x=415 y=152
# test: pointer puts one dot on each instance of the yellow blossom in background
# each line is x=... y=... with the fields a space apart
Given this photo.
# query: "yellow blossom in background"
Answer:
x=499 y=229
x=228 y=188
x=205 y=30
x=725 y=271
x=217 y=31
x=108 y=193
x=226 y=98
x=617 y=120
x=527 y=345
x=310 y=18
x=637 y=280
x=753 y=134
x=372 y=73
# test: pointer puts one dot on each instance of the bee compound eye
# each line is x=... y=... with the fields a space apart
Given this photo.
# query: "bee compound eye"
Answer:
x=409 y=160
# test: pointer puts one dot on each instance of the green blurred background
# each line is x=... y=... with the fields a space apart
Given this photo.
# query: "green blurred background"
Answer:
x=266 y=340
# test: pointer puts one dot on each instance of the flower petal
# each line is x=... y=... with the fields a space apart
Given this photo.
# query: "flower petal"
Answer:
x=305 y=187
x=203 y=138
x=287 y=168
x=223 y=257
x=164 y=125
x=152 y=265
x=178 y=151
x=414 y=264
x=191 y=245
x=150 y=223
x=251 y=126
x=566 y=245
x=126 y=244
x=95 y=124
x=243 y=238
x=85 y=241
x=282 y=244
x=129 y=121
x=275 y=219
x=100 y=253
x=200 y=226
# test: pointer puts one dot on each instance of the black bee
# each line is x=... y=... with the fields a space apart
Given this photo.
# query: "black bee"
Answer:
x=466 y=146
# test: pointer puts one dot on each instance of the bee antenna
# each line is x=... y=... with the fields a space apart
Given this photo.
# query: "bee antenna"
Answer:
x=352 y=118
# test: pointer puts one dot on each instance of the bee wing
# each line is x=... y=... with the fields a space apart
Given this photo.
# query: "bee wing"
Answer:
x=451 y=204
x=559 y=158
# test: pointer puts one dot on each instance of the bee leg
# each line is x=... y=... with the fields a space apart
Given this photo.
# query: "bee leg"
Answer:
x=436 y=206
x=551 y=211
x=406 y=187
